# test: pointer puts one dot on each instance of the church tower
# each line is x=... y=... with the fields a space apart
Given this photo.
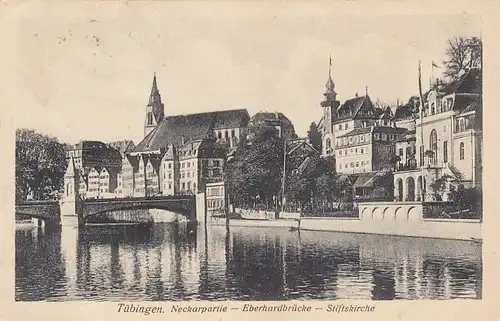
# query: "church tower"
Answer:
x=329 y=105
x=154 y=110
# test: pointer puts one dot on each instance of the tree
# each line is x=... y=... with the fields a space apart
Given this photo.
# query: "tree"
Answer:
x=256 y=169
x=462 y=54
x=314 y=136
x=40 y=165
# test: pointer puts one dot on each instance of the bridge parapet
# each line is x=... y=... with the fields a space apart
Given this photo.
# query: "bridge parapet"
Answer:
x=49 y=211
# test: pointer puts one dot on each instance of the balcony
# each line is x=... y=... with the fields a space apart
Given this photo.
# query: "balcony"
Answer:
x=408 y=166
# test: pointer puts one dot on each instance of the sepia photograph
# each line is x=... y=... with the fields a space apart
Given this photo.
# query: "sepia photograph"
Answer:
x=164 y=157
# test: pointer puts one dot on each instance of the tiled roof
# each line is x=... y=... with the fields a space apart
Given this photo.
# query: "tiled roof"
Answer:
x=470 y=82
x=178 y=130
x=475 y=105
x=123 y=146
x=267 y=116
x=376 y=129
x=363 y=179
x=357 y=131
x=463 y=102
x=350 y=107
x=408 y=135
x=403 y=112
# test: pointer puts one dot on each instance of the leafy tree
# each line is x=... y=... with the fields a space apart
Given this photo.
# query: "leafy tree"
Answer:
x=255 y=171
x=40 y=165
x=314 y=136
x=462 y=53
x=467 y=198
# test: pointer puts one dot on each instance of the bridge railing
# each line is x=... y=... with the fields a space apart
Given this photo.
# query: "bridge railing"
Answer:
x=148 y=198
x=37 y=202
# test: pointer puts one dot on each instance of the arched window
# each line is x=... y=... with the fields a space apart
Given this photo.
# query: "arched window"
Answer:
x=219 y=135
x=434 y=146
x=150 y=119
x=462 y=125
x=462 y=151
x=328 y=145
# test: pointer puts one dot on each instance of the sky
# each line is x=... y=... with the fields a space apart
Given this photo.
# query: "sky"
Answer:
x=89 y=76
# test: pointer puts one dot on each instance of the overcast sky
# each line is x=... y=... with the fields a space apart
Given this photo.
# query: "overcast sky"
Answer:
x=90 y=78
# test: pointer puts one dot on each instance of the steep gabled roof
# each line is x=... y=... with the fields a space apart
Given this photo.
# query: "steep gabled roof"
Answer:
x=468 y=83
x=351 y=107
x=178 y=130
x=123 y=146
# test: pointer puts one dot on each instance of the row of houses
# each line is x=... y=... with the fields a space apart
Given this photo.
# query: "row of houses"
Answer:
x=179 y=154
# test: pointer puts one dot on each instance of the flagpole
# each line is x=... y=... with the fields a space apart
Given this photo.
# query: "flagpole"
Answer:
x=421 y=116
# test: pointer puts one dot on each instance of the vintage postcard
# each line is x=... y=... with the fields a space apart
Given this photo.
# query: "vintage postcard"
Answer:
x=234 y=160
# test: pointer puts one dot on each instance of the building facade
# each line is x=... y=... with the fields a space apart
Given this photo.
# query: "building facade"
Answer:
x=448 y=140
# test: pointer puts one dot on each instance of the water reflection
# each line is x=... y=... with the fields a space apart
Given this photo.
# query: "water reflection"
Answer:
x=181 y=262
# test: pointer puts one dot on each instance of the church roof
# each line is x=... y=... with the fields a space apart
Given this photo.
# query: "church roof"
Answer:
x=178 y=130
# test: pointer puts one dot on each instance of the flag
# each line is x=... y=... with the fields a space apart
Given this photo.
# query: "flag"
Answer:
x=434 y=64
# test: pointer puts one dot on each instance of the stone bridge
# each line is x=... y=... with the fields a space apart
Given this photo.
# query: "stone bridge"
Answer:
x=48 y=211
x=185 y=205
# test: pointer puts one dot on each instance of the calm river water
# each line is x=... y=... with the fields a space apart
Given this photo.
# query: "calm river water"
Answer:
x=174 y=262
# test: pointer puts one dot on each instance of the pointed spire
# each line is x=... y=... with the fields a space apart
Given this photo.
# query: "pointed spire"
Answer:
x=366 y=90
x=70 y=170
x=154 y=96
x=330 y=86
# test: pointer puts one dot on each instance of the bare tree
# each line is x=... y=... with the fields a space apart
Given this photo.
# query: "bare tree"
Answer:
x=462 y=54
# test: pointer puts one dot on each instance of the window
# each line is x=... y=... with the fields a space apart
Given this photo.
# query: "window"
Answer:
x=232 y=132
x=219 y=135
x=462 y=125
x=445 y=152
x=188 y=164
x=362 y=163
x=346 y=165
x=169 y=185
x=421 y=155
x=433 y=145
x=169 y=175
x=226 y=135
x=328 y=144
x=462 y=151
x=340 y=152
x=361 y=138
x=340 y=127
x=355 y=150
x=408 y=151
x=183 y=186
x=352 y=164
x=150 y=118
x=433 y=108
x=361 y=150
x=400 y=152
x=357 y=164
x=194 y=187
x=189 y=186
x=346 y=126
x=340 y=166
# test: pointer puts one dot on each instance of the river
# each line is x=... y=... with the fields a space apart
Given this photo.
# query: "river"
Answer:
x=177 y=262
